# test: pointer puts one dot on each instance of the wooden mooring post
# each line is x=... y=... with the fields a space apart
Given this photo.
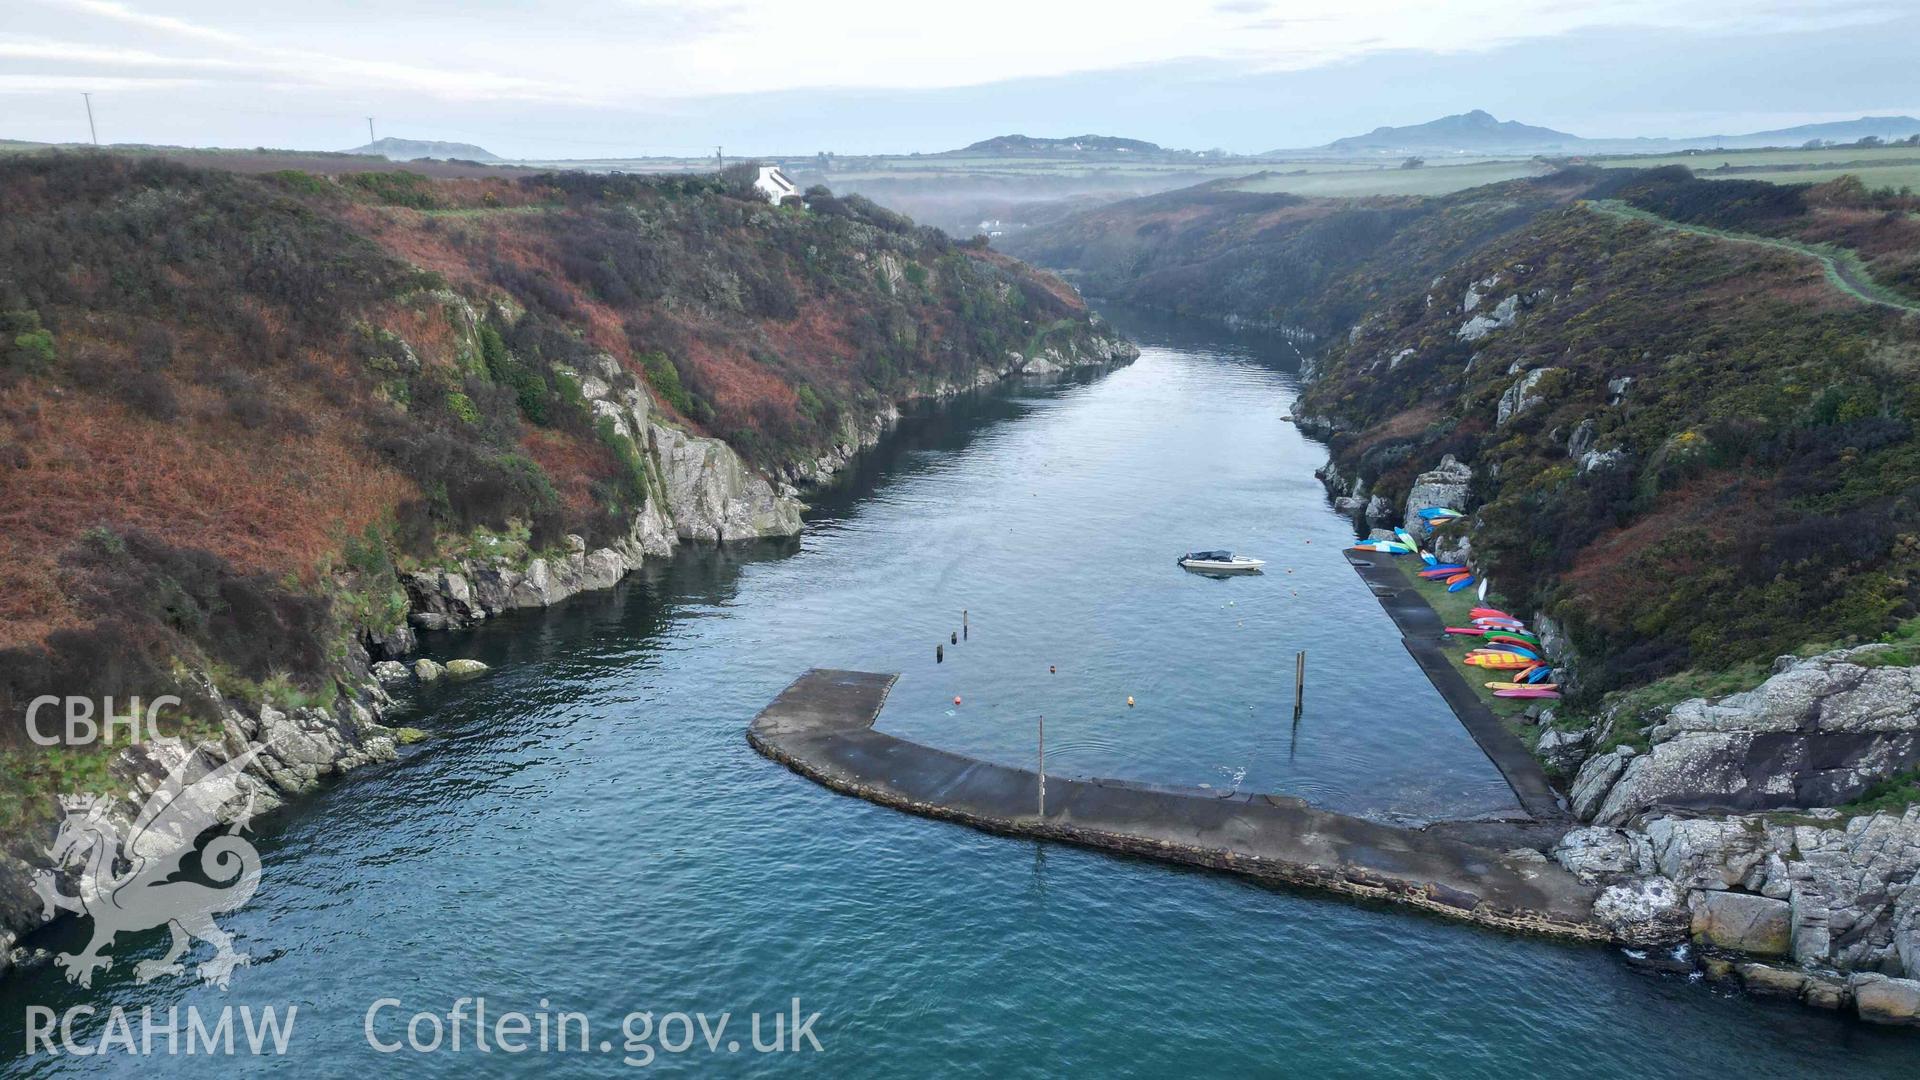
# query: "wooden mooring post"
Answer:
x=1299 y=681
x=1043 y=766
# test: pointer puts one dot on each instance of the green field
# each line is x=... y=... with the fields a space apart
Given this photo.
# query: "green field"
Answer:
x=1877 y=167
x=1349 y=182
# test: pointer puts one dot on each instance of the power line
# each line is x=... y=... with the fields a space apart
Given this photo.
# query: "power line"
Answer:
x=91 y=130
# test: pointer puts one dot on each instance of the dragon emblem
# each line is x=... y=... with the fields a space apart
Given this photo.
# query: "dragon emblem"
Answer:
x=134 y=884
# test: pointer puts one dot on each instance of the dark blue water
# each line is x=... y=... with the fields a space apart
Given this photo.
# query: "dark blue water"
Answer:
x=588 y=829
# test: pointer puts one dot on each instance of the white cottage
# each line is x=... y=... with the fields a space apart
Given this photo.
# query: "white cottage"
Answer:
x=774 y=185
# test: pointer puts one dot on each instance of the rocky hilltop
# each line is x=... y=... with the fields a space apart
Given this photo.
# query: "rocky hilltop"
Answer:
x=260 y=432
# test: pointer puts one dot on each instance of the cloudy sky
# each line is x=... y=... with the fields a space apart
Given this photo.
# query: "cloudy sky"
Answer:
x=624 y=77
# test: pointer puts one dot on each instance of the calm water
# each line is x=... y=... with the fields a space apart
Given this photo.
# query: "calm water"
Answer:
x=588 y=827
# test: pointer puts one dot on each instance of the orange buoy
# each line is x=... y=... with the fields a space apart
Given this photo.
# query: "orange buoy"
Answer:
x=1129 y=701
x=956 y=699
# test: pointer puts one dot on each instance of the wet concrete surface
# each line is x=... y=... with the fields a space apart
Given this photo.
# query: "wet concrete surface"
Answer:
x=821 y=726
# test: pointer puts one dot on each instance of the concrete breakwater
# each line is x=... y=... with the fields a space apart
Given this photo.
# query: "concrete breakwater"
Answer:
x=821 y=726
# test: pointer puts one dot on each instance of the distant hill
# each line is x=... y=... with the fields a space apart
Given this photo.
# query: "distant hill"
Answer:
x=1084 y=144
x=1838 y=131
x=1468 y=131
x=1477 y=132
x=415 y=149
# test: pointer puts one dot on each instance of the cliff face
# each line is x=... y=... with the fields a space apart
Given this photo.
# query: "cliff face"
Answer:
x=257 y=431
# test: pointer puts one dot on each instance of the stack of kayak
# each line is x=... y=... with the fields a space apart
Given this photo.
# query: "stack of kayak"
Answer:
x=1455 y=576
x=1401 y=544
x=1436 y=516
x=1508 y=646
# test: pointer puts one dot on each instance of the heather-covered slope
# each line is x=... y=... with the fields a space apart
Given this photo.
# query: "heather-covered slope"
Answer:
x=1693 y=453
x=1696 y=453
x=235 y=410
x=1277 y=259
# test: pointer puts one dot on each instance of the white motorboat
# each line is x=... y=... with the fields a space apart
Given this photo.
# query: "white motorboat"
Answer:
x=1220 y=562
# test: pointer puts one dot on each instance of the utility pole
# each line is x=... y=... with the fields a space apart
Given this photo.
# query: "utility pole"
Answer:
x=719 y=159
x=370 y=138
x=91 y=130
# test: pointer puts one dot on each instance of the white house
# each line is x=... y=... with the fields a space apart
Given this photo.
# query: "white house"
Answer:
x=774 y=185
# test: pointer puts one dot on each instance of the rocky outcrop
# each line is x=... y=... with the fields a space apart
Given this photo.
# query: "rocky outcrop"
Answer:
x=1447 y=484
x=713 y=495
x=1758 y=925
x=1882 y=1000
x=1817 y=733
x=1522 y=396
x=1502 y=314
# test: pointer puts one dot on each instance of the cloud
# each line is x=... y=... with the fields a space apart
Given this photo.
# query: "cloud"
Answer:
x=655 y=49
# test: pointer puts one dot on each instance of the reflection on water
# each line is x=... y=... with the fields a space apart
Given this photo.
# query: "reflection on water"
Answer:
x=587 y=826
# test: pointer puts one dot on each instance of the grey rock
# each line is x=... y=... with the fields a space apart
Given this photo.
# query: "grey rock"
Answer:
x=1743 y=922
x=1478 y=291
x=1379 y=511
x=1453 y=546
x=1597 y=778
x=1817 y=733
x=1600 y=460
x=465 y=669
x=713 y=495
x=1503 y=314
x=426 y=670
x=1710 y=853
x=1596 y=855
x=1581 y=440
x=1645 y=910
x=1881 y=1000
x=1522 y=396
x=390 y=672
x=1765 y=980
x=1563 y=750
x=1446 y=484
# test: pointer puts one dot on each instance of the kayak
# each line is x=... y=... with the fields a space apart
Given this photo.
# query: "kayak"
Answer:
x=1432 y=512
x=1456 y=584
x=1430 y=558
x=1406 y=537
x=1489 y=613
x=1508 y=637
x=1469 y=631
x=1388 y=547
x=1441 y=571
x=1521 y=686
x=1539 y=676
x=1499 y=660
x=1527 y=692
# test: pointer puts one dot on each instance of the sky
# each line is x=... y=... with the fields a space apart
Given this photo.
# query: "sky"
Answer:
x=540 y=79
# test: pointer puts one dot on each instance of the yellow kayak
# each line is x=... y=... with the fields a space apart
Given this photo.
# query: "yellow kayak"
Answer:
x=1498 y=660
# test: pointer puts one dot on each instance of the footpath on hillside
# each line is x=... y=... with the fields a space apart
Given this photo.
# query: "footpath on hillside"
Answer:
x=1843 y=268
